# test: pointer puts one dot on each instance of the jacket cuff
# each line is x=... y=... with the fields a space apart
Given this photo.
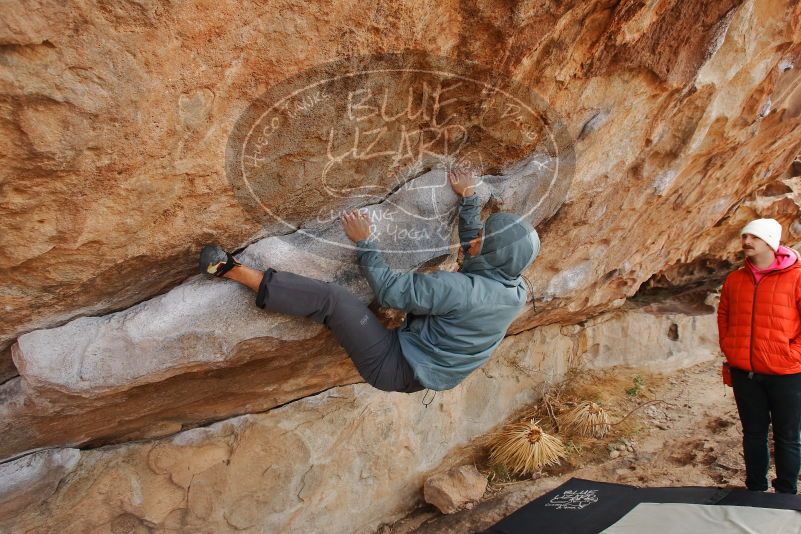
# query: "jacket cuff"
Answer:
x=363 y=246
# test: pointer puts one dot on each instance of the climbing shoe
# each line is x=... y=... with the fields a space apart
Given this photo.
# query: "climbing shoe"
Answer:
x=214 y=260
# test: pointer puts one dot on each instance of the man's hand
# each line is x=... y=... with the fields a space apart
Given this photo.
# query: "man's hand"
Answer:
x=356 y=225
x=463 y=182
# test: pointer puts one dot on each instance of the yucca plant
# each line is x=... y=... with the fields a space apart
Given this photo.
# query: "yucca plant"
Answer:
x=587 y=419
x=524 y=448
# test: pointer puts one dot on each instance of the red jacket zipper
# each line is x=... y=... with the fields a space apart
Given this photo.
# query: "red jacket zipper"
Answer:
x=753 y=310
x=753 y=315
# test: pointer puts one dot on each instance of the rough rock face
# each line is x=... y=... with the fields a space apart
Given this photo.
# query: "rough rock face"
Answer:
x=33 y=478
x=299 y=467
x=672 y=105
x=700 y=128
x=455 y=489
x=115 y=125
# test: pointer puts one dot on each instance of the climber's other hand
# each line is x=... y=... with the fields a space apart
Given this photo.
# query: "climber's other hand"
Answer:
x=356 y=225
x=463 y=181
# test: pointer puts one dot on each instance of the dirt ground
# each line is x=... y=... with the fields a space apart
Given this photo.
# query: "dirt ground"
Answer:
x=685 y=433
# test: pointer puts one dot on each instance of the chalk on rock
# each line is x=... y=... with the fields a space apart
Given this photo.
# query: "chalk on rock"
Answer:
x=456 y=489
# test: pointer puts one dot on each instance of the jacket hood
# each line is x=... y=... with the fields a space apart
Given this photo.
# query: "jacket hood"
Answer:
x=785 y=257
x=510 y=245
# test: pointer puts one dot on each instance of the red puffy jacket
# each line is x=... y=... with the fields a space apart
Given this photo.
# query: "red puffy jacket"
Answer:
x=759 y=324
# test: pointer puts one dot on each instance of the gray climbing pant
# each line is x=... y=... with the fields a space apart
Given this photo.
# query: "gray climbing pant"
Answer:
x=374 y=349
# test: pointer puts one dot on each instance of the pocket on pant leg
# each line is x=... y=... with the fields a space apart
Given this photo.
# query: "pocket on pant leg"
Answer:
x=354 y=325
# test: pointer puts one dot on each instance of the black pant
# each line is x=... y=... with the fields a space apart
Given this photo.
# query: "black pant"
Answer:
x=762 y=400
x=374 y=349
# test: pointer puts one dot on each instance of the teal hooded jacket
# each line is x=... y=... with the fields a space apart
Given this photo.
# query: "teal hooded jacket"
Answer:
x=457 y=319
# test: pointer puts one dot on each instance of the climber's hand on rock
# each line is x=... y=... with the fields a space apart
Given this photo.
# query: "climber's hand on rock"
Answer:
x=463 y=181
x=356 y=225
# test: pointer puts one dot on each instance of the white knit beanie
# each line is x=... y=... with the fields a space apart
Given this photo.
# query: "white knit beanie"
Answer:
x=768 y=230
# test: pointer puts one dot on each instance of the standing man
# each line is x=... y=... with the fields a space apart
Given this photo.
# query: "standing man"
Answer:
x=759 y=325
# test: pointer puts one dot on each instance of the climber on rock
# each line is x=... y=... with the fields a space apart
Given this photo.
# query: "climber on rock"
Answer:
x=456 y=320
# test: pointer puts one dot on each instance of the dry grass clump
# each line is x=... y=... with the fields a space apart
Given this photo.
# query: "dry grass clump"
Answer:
x=524 y=448
x=587 y=419
x=571 y=425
